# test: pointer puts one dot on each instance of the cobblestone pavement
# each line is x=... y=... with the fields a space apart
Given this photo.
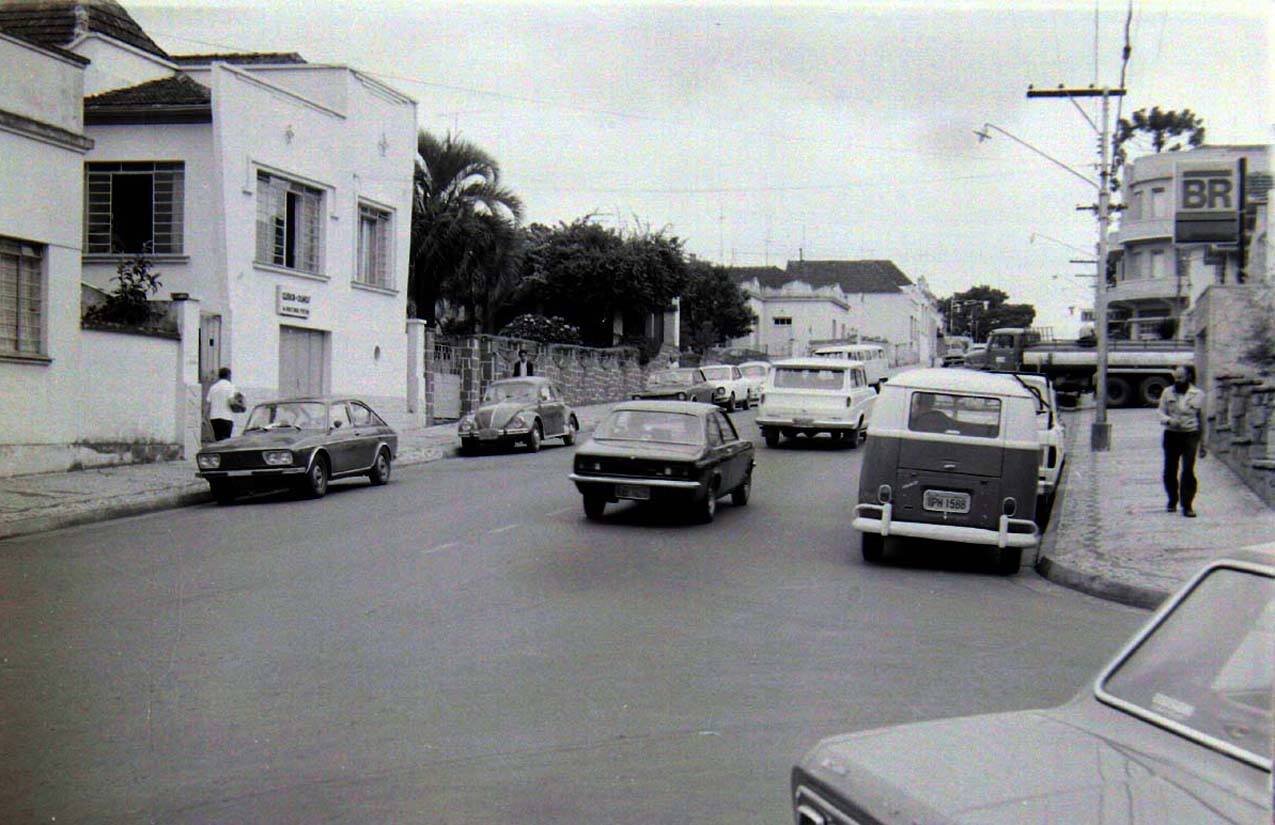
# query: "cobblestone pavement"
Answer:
x=1110 y=534
x=36 y=503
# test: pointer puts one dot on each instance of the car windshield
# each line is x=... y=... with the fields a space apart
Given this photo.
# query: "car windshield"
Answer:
x=510 y=391
x=300 y=415
x=753 y=372
x=1207 y=666
x=651 y=425
x=717 y=373
x=672 y=378
x=935 y=412
x=809 y=378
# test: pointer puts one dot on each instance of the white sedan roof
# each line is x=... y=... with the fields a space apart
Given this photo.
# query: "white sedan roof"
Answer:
x=959 y=380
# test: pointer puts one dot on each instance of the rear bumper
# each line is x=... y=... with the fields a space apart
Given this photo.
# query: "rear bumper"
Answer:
x=877 y=519
x=788 y=423
x=658 y=489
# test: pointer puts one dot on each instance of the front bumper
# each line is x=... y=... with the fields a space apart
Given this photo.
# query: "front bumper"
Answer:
x=877 y=519
x=259 y=472
x=492 y=435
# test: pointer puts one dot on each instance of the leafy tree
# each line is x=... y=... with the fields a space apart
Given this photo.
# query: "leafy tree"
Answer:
x=535 y=327
x=465 y=238
x=592 y=275
x=1161 y=127
x=713 y=307
x=983 y=308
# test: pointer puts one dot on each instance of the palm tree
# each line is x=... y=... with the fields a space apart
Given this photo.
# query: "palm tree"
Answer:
x=464 y=229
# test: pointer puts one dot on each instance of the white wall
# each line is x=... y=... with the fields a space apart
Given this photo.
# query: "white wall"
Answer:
x=41 y=85
x=118 y=66
x=126 y=387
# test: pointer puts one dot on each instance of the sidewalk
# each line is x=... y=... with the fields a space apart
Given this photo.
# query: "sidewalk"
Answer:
x=34 y=504
x=1110 y=535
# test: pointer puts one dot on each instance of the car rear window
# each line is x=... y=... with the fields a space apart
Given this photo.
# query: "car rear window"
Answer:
x=809 y=378
x=651 y=425
x=753 y=372
x=671 y=378
x=970 y=415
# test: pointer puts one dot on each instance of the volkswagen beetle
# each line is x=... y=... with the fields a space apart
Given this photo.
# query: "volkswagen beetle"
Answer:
x=523 y=410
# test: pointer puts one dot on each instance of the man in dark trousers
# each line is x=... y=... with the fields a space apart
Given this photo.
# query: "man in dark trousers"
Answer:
x=1182 y=416
x=522 y=366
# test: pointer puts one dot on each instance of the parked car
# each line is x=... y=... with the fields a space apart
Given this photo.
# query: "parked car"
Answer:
x=755 y=373
x=1053 y=441
x=523 y=410
x=302 y=443
x=808 y=396
x=976 y=357
x=954 y=348
x=1176 y=729
x=664 y=452
x=876 y=364
x=685 y=384
x=730 y=388
x=955 y=457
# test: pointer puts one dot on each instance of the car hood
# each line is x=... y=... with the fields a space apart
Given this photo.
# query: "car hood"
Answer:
x=667 y=391
x=640 y=449
x=498 y=414
x=282 y=439
x=1027 y=767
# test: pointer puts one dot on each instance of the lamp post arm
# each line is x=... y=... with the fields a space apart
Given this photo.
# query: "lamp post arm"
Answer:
x=1049 y=158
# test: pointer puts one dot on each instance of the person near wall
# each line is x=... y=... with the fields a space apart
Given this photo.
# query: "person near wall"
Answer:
x=222 y=398
x=522 y=366
x=1182 y=416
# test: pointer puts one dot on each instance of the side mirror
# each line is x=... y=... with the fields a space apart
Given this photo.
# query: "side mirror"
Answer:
x=336 y=425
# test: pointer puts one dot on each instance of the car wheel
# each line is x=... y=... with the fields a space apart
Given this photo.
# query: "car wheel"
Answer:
x=706 y=509
x=731 y=405
x=467 y=447
x=873 y=547
x=771 y=436
x=1151 y=388
x=1008 y=560
x=533 y=440
x=739 y=496
x=573 y=427
x=1118 y=392
x=380 y=473
x=223 y=492
x=316 y=478
x=594 y=506
x=856 y=436
x=747 y=401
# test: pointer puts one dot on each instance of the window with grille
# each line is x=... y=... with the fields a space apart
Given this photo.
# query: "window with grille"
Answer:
x=288 y=225
x=132 y=208
x=21 y=298
x=374 y=248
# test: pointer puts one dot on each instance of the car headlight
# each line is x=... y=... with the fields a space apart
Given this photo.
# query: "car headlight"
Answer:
x=718 y=391
x=681 y=396
x=467 y=423
x=209 y=461
x=277 y=458
x=517 y=423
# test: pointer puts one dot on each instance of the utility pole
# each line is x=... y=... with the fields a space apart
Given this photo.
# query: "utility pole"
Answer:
x=1100 y=432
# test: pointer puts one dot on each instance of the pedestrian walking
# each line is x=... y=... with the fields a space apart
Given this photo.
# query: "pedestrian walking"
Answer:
x=1182 y=416
x=523 y=366
x=222 y=399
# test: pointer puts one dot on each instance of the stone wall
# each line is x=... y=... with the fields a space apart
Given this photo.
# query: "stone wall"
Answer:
x=1242 y=429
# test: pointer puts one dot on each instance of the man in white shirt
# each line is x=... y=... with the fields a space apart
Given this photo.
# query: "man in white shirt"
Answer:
x=219 y=397
x=1182 y=416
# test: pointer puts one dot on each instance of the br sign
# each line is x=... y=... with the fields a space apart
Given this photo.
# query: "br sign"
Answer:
x=1208 y=204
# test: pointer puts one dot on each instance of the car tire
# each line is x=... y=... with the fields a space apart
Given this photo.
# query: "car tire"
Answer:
x=468 y=447
x=594 y=506
x=573 y=427
x=1008 y=560
x=706 y=508
x=747 y=401
x=316 y=478
x=223 y=492
x=731 y=404
x=771 y=436
x=534 y=439
x=856 y=436
x=739 y=496
x=873 y=547
x=380 y=473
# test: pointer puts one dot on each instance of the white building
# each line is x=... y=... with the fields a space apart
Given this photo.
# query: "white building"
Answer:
x=839 y=300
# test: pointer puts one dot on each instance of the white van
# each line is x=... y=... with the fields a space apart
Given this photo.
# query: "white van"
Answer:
x=808 y=396
x=872 y=356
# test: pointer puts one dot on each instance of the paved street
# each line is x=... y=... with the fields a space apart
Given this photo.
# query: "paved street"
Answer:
x=462 y=645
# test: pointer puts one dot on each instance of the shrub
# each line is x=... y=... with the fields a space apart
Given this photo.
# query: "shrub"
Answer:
x=533 y=327
x=129 y=303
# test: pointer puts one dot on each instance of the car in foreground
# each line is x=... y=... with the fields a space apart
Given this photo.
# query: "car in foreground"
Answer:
x=730 y=388
x=1176 y=729
x=682 y=454
x=684 y=384
x=303 y=443
x=524 y=410
x=813 y=395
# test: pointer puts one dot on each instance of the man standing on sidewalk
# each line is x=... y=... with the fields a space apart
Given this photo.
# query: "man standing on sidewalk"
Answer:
x=220 y=396
x=1182 y=416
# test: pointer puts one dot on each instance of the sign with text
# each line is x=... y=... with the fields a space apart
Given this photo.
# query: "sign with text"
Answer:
x=289 y=302
x=1208 y=204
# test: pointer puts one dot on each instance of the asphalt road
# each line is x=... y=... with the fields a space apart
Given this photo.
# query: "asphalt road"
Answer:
x=463 y=646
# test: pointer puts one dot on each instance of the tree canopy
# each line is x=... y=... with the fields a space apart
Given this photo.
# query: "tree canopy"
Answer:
x=1161 y=127
x=980 y=309
x=713 y=307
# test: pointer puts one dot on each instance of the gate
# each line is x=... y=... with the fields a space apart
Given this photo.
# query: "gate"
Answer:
x=446 y=367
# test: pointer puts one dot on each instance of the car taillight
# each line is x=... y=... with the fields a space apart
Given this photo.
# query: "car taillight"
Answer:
x=884 y=493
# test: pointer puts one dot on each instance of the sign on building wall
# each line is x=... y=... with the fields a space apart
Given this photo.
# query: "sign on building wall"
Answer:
x=1207 y=203
x=289 y=302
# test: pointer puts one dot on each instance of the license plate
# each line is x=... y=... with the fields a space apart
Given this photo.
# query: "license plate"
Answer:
x=803 y=421
x=237 y=473
x=633 y=492
x=942 y=501
x=488 y=435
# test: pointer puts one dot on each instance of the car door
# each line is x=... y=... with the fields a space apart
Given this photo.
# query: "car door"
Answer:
x=551 y=411
x=342 y=442
x=702 y=391
x=367 y=433
x=734 y=450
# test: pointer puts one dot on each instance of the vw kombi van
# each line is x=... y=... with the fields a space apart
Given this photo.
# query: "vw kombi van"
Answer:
x=954 y=457
x=875 y=363
x=808 y=396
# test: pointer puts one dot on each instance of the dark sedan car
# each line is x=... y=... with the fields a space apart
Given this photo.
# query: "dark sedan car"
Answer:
x=302 y=443
x=519 y=410
x=677 y=452
x=685 y=384
x=1177 y=729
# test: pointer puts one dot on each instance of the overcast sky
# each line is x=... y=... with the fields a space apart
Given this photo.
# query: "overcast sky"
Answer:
x=761 y=133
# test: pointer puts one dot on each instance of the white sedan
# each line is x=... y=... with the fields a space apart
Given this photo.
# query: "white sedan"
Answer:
x=730 y=388
x=755 y=373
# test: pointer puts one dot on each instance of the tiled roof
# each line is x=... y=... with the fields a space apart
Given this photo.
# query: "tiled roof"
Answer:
x=58 y=22
x=177 y=90
x=238 y=58
x=852 y=276
x=764 y=274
